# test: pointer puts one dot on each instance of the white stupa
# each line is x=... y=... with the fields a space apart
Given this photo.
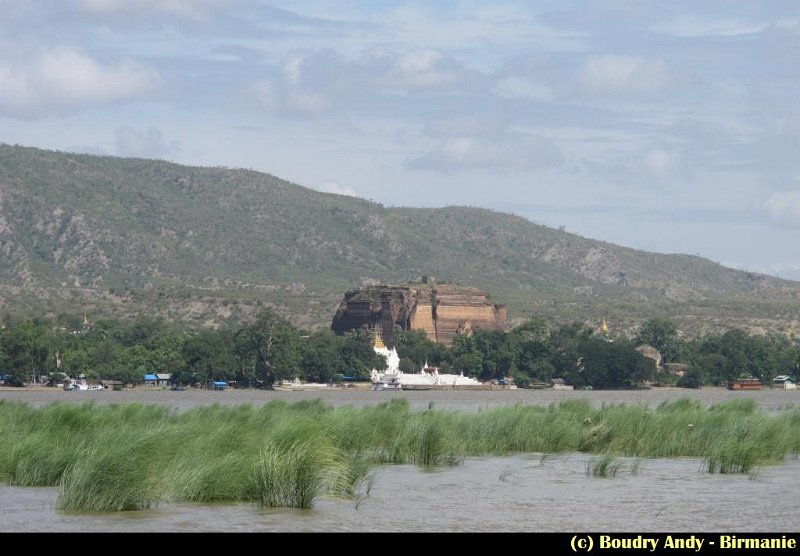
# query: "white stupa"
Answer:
x=393 y=377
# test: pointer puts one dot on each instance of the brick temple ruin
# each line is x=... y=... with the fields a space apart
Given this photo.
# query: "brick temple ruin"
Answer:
x=440 y=310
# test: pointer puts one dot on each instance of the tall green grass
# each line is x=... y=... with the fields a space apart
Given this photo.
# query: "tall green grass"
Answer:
x=132 y=456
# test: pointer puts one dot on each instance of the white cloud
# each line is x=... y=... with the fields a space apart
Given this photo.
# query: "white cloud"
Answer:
x=520 y=87
x=314 y=82
x=695 y=27
x=791 y=24
x=784 y=207
x=292 y=69
x=147 y=144
x=660 y=162
x=264 y=93
x=501 y=153
x=463 y=126
x=424 y=69
x=189 y=9
x=64 y=79
x=307 y=102
x=286 y=100
x=331 y=186
x=622 y=74
x=485 y=27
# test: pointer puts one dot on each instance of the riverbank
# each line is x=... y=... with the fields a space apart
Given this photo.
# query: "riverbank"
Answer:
x=463 y=400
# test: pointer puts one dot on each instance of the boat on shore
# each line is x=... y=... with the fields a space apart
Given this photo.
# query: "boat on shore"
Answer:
x=417 y=386
x=744 y=384
x=71 y=385
x=297 y=385
x=390 y=384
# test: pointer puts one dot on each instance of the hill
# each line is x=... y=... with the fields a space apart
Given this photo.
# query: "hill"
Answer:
x=104 y=235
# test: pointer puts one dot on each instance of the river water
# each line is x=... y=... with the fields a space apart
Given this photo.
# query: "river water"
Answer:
x=463 y=400
x=512 y=493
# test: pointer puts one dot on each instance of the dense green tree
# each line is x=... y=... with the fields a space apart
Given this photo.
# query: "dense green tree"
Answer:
x=270 y=347
x=5 y=367
x=789 y=362
x=532 y=345
x=535 y=330
x=27 y=349
x=736 y=353
x=144 y=330
x=359 y=357
x=735 y=347
x=662 y=335
x=470 y=363
x=407 y=365
x=71 y=322
x=466 y=358
x=208 y=356
x=102 y=355
x=611 y=365
x=322 y=361
x=693 y=378
x=415 y=345
x=168 y=351
x=497 y=356
x=75 y=352
x=565 y=342
x=713 y=367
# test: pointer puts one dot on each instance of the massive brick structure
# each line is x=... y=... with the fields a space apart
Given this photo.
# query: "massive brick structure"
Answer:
x=441 y=310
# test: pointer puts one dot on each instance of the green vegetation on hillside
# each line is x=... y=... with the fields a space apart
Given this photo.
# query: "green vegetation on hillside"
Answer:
x=213 y=246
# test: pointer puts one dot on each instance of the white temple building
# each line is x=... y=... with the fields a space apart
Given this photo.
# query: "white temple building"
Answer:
x=394 y=378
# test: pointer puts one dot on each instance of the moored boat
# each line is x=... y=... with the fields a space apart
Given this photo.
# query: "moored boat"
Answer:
x=71 y=385
x=390 y=384
x=417 y=386
x=745 y=384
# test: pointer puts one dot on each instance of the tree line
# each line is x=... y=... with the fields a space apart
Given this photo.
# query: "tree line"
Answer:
x=269 y=348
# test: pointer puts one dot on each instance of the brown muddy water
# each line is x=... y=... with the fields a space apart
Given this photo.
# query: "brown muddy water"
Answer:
x=463 y=400
x=513 y=493
x=527 y=492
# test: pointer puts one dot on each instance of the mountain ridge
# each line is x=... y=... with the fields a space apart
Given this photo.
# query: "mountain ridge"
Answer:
x=209 y=245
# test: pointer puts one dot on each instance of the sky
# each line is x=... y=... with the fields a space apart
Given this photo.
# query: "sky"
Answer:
x=671 y=127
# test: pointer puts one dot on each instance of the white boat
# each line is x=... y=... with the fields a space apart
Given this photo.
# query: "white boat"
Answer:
x=391 y=384
x=71 y=385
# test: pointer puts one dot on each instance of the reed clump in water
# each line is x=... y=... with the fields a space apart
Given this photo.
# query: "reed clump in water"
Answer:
x=133 y=456
x=604 y=466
